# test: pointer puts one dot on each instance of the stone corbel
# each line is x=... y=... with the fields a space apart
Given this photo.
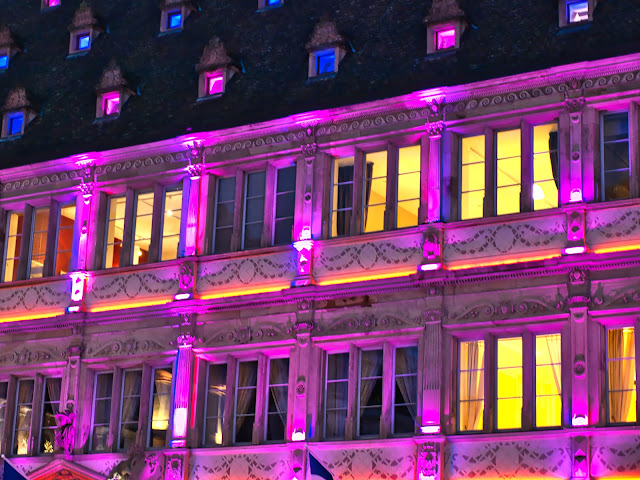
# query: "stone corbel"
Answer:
x=186 y=281
x=430 y=459
x=576 y=238
x=177 y=463
x=432 y=248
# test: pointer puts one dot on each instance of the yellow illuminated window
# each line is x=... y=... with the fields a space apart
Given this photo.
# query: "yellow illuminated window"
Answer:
x=548 y=381
x=115 y=230
x=408 y=186
x=142 y=231
x=65 y=239
x=171 y=223
x=508 y=169
x=509 y=385
x=342 y=196
x=472 y=177
x=39 y=242
x=375 y=191
x=471 y=386
x=14 y=240
x=545 y=166
x=161 y=403
x=621 y=373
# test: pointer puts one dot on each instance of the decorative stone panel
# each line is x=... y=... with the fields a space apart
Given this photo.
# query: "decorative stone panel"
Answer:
x=615 y=454
x=41 y=298
x=611 y=227
x=206 y=464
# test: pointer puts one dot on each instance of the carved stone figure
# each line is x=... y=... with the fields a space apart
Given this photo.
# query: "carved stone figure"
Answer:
x=65 y=430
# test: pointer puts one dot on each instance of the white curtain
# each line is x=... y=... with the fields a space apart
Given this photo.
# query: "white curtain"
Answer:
x=622 y=375
x=474 y=386
x=407 y=365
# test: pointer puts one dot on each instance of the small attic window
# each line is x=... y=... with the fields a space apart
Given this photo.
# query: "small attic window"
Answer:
x=18 y=113
x=326 y=50
x=265 y=4
x=214 y=70
x=174 y=20
x=445 y=38
x=112 y=92
x=215 y=83
x=15 y=123
x=577 y=11
x=110 y=104
x=50 y=3
x=173 y=15
x=325 y=62
x=4 y=61
x=83 y=41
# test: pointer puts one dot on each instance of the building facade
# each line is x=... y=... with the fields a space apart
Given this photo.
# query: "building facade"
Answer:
x=438 y=284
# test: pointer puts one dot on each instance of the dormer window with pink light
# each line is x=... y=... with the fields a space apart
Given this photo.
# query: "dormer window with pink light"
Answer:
x=215 y=83
x=445 y=38
x=112 y=93
x=111 y=103
x=215 y=70
x=574 y=12
x=445 y=25
x=50 y=3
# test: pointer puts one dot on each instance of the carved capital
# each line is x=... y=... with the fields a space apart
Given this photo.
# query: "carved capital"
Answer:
x=309 y=150
x=187 y=336
x=435 y=129
x=574 y=105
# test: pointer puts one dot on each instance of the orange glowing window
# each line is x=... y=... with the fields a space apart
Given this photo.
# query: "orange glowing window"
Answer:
x=508 y=171
x=509 y=383
x=548 y=381
x=471 y=386
x=621 y=375
x=472 y=165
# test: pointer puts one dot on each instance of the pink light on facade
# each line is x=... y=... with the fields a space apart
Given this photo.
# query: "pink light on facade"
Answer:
x=180 y=422
x=215 y=83
x=576 y=195
x=183 y=382
x=304 y=248
x=430 y=429
x=298 y=436
x=77 y=285
x=182 y=296
x=429 y=267
x=580 y=421
x=445 y=38
x=111 y=103
x=54 y=3
x=73 y=309
x=574 y=250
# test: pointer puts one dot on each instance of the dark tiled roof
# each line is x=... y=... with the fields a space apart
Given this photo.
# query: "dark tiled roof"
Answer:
x=506 y=37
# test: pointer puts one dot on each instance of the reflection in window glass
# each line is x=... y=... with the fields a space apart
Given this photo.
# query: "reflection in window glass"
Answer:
x=245 y=412
x=24 y=410
x=130 y=408
x=509 y=383
x=102 y=397
x=214 y=407
x=405 y=400
x=38 y=242
x=408 y=186
x=50 y=408
x=615 y=156
x=12 y=250
x=545 y=166
x=375 y=191
x=253 y=210
x=171 y=223
x=278 y=396
x=370 y=393
x=621 y=375
x=325 y=62
x=225 y=203
x=548 y=381
x=161 y=404
x=342 y=196
x=142 y=228
x=472 y=177
x=471 y=386
x=3 y=406
x=336 y=391
x=115 y=231
x=285 y=204
x=508 y=168
x=65 y=239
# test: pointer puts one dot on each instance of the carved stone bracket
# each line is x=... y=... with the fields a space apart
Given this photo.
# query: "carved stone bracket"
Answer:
x=432 y=248
x=578 y=287
x=65 y=430
x=574 y=105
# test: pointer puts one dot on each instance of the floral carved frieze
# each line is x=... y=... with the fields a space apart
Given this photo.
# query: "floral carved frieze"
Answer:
x=366 y=323
x=246 y=271
x=251 y=334
x=34 y=297
x=369 y=463
x=132 y=285
x=488 y=311
x=367 y=256
x=125 y=347
x=27 y=356
x=606 y=296
x=264 y=466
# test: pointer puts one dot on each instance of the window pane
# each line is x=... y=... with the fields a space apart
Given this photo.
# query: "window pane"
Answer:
x=216 y=394
x=615 y=156
x=342 y=196
x=143 y=220
x=471 y=385
x=115 y=231
x=161 y=401
x=374 y=191
x=65 y=239
x=24 y=409
x=336 y=389
x=171 y=219
x=14 y=238
x=509 y=383
x=508 y=171
x=245 y=401
x=406 y=390
x=38 y=242
x=548 y=381
x=278 y=397
x=370 y=392
x=50 y=408
x=253 y=210
x=285 y=204
x=621 y=373
x=545 y=166
x=130 y=408
x=472 y=177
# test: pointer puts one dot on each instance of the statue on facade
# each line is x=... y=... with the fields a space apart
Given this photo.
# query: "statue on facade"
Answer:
x=65 y=430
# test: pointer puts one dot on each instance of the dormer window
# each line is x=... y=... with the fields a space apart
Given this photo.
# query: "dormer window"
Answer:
x=112 y=93
x=111 y=103
x=50 y=3
x=445 y=25
x=17 y=114
x=325 y=62
x=326 y=50
x=215 y=70
x=174 y=13
x=84 y=30
x=574 y=12
x=445 y=38
x=4 y=61
x=15 y=122
x=264 y=4
x=83 y=41
x=174 y=20
x=215 y=83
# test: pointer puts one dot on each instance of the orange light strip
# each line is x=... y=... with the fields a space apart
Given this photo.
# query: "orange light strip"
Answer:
x=242 y=293
x=380 y=276
x=31 y=317
x=504 y=262
x=619 y=248
x=126 y=306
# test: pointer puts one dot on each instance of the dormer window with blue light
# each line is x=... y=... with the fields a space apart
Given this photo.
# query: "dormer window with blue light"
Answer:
x=326 y=50
x=574 y=12
x=267 y=4
x=4 y=61
x=174 y=20
x=84 y=30
x=174 y=13
x=325 y=62
x=83 y=42
x=18 y=113
x=15 y=123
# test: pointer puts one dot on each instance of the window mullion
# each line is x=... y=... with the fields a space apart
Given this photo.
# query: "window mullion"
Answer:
x=228 y=424
x=526 y=167
x=489 y=207
x=262 y=386
x=352 y=393
x=387 y=389
x=269 y=206
x=358 y=183
x=145 y=406
x=391 y=208
x=36 y=415
x=238 y=212
x=528 y=380
x=127 y=236
x=490 y=394
x=9 y=417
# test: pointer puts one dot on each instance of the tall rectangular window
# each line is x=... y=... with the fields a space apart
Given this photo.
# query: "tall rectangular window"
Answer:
x=509 y=383
x=508 y=171
x=64 y=242
x=336 y=395
x=50 y=408
x=38 y=241
x=215 y=402
x=615 y=156
x=285 y=205
x=341 y=196
x=545 y=166
x=225 y=202
x=172 y=215
x=405 y=398
x=621 y=375
x=129 y=408
x=22 y=420
x=4 y=386
x=115 y=232
x=160 y=406
x=471 y=386
x=253 y=210
x=102 y=398
x=142 y=228
x=374 y=192
x=370 y=393
x=278 y=396
x=15 y=224
x=472 y=177
x=548 y=381
x=245 y=407
x=408 y=186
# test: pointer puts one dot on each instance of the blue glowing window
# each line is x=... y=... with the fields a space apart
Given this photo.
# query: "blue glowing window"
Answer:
x=4 y=61
x=83 y=42
x=577 y=11
x=325 y=62
x=174 y=20
x=271 y=3
x=15 y=124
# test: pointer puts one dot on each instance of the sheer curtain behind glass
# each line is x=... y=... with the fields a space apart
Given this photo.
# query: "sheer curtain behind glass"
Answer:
x=142 y=229
x=24 y=410
x=253 y=210
x=336 y=395
x=102 y=398
x=50 y=407
x=408 y=186
x=285 y=204
x=471 y=385
x=509 y=379
x=246 y=390
x=621 y=372
x=39 y=242
x=406 y=390
x=161 y=404
x=548 y=381
x=225 y=207
x=15 y=224
x=370 y=393
x=508 y=172
x=472 y=177
x=278 y=396
x=130 y=408
x=216 y=394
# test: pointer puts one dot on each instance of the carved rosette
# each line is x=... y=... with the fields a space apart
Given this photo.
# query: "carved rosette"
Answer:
x=574 y=105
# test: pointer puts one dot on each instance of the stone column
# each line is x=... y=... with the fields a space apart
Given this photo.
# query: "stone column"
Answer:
x=184 y=381
x=433 y=197
x=301 y=418
x=574 y=107
x=191 y=190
